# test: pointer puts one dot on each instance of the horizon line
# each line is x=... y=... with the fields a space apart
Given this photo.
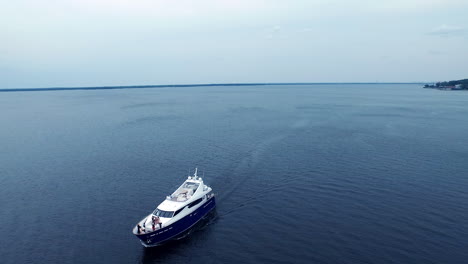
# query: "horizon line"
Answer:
x=115 y=87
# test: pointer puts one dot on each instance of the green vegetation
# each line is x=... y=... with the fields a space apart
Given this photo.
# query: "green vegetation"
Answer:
x=458 y=85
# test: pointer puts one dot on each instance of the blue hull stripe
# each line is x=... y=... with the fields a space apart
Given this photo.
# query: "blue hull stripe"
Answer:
x=166 y=233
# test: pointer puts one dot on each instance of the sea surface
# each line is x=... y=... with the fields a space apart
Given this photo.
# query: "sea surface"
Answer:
x=337 y=173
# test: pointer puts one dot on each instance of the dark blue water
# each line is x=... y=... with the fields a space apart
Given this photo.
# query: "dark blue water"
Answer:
x=304 y=174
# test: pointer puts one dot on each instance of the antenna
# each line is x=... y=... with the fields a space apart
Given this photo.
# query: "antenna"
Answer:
x=195 y=174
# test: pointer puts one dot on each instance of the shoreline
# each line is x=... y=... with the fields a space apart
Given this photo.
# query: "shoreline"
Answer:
x=181 y=86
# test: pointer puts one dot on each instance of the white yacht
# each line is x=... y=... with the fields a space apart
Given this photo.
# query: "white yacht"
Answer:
x=180 y=211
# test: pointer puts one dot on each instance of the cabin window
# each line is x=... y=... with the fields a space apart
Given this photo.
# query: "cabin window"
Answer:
x=161 y=213
x=178 y=211
x=192 y=204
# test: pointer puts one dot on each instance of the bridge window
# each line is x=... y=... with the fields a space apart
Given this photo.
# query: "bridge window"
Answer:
x=161 y=213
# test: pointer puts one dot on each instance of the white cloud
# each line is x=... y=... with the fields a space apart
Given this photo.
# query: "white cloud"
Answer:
x=305 y=30
x=273 y=32
x=435 y=52
x=447 y=30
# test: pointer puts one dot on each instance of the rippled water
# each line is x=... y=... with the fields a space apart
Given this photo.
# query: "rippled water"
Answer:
x=304 y=174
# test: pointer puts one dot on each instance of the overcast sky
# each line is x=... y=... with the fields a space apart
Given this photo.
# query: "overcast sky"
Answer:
x=130 y=42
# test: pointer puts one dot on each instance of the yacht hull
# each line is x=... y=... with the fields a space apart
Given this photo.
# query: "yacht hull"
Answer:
x=172 y=231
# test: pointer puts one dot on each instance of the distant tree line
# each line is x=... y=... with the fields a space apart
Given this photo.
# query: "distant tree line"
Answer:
x=463 y=83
